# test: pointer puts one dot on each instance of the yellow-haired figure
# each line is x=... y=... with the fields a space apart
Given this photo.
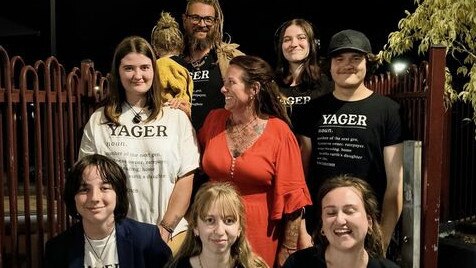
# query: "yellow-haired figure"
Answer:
x=175 y=81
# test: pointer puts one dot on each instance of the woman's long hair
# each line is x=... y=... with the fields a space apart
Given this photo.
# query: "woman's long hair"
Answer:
x=373 y=240
x=228 y=200
x=267 y=101
x=311 y=72
x=117 y=94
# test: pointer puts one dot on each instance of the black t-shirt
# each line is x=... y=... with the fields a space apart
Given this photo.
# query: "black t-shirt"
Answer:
x=185 y=263
x=207 y=83
x=299 y=95
x=348 y=137
x=314 y=257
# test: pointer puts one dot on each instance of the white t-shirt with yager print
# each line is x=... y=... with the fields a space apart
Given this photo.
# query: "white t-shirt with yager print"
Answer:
x=152 y=154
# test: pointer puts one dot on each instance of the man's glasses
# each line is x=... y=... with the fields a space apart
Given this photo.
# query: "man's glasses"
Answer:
x=195 y=19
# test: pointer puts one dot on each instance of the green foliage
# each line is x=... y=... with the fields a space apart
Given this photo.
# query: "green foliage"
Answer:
x=451 y=23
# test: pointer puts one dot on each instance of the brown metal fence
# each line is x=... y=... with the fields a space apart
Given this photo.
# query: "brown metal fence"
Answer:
x=461 y=205
x=42 y=109
x=449 y=147
x=420 y=92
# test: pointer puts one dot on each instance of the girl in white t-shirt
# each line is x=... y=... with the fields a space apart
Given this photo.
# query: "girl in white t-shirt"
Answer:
x=155 y=144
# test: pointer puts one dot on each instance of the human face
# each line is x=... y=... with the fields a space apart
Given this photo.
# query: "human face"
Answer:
x=95 y=199
x=348 y=69
x=137 y=73
x=344 y=220
x=237 y=94
x=199 y=29
x=218 y=232
x=295 y=44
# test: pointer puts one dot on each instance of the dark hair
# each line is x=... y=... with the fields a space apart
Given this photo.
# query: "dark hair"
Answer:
x=311 y=69
x=267 y=101
x=110 y=172
x=373 y=240
x=117 y=94
x=371 y=63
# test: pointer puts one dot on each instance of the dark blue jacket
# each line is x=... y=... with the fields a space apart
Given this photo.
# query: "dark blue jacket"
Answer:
x=138 y=245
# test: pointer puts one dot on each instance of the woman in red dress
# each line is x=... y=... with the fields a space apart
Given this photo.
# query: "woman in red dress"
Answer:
x=250 y=143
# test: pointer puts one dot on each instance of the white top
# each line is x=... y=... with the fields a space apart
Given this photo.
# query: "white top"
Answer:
x=101 y=253
x=152 y=154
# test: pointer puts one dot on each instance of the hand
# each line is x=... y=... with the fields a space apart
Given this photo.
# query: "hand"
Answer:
x=164 y=234
x=181 y=104
x=283 y=254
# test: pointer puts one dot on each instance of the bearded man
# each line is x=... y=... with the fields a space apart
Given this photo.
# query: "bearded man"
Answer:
x=207 y=55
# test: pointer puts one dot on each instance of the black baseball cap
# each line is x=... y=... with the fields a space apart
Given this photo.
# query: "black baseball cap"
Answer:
x=349 y=40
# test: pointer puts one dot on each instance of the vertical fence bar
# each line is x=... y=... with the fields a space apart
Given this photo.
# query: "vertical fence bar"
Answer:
x=411 y=215
x=434 y=159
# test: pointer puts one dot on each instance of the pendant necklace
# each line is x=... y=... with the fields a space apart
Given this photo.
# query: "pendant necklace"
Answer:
x=197 y=63
x=240 y=139
x=137 y=117
x=200 y=261
x=99 y=256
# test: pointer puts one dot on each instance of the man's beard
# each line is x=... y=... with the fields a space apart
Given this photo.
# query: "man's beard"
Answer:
x=201 y=43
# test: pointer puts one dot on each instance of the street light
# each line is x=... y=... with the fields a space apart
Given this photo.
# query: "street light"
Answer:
x=399 y=67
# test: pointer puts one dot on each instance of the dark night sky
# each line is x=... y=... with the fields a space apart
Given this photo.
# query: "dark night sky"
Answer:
x=91 y=29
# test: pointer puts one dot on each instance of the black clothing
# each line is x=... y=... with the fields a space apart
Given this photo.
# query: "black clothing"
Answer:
x=314 y=257
x=207 y=84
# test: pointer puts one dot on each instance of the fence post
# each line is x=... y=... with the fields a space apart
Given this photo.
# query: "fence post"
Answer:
x=411 y=215
x=436 y=166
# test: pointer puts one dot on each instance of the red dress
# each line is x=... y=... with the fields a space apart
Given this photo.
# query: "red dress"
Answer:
x=268 y=175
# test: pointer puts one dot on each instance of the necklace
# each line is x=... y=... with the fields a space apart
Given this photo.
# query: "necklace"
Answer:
x=240 y=137
x=200 y=261
x=232 y=126
x=99 y=256
x=137 y=117
x=197 y=63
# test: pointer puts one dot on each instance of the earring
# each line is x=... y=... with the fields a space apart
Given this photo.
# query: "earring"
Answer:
x=322 y=232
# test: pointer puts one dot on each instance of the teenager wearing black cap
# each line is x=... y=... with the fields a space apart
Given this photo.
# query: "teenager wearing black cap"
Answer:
x=355 y=131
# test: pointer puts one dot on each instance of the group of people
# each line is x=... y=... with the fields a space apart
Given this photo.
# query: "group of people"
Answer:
x=203 y=156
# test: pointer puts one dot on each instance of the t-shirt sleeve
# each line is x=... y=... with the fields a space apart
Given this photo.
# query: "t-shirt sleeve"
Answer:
x=88 y=145
x=291 y=192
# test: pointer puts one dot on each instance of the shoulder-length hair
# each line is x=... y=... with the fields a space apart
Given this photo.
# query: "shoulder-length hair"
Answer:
x=311 y=72
x=373 y=240
x=109 y=171
x=229 y=201
x=268 y=100
x=117 y=94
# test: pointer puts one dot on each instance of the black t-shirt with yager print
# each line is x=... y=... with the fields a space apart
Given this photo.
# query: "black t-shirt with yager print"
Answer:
x=207 y=83
x=348 y=137
x=296 y=97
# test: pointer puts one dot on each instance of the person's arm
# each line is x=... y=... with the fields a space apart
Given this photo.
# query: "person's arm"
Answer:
x=289 y=242
x=177 y=207
x=393 y=197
